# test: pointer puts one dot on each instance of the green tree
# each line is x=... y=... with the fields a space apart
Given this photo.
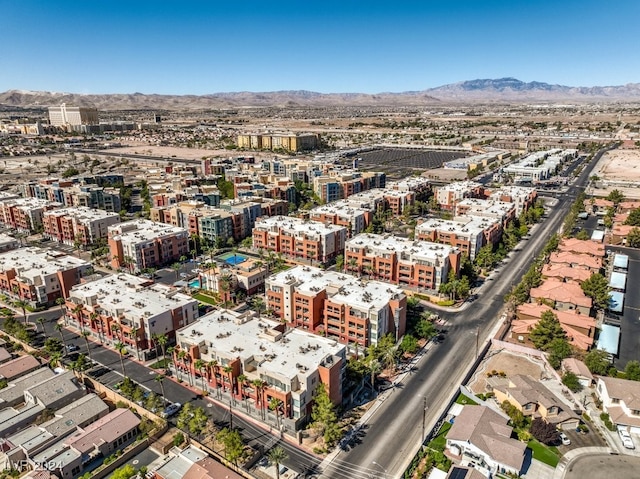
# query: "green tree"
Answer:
x=233 y=445
x=517 y=418
x=125 y=472
x=547 y=329
x=121 y=349
x=558 y=349
x=22 y=304
x=616 y=196
x=276 y=456
x=339 y=262
x=632 y=370
x=572 y=382
x=598 y=361
x=425 y=329
x=53 y=345
x=409 y=344
x=198 y=422
x=634 y=218
x=583 y=235
x=324 y=417
x=633 y=238
x=597 y=288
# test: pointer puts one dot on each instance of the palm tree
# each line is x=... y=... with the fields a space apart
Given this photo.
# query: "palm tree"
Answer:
x=374 y=367
x=122 y=350
x=58 y=327
x=199 y=365
x=60 y=302
x=78 y=312
x=228 y=370
x=22 y=304
x=54 y=359
x=40 y=321
x=242 y=379
x=162 y=340
x=277 y=456
x=160 y=379
x=134 y=334
x=85 y=334
x=274 y=405
x=212 y=366
x=259 y=385
x=115 y=327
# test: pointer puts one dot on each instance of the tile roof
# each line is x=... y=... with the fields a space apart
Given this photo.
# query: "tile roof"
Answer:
x=575 y=245
x=564 y=292
x=19 y=366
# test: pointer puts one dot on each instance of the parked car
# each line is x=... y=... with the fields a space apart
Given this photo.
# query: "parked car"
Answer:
x=72 y=347
x=565 y=440
x=625 y=437
x=171 y=409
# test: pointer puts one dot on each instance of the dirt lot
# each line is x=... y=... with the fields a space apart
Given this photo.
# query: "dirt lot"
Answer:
x=507 y=362
x=619 y=169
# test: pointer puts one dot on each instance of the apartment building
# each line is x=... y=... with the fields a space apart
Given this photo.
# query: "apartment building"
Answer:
x=466 y=234
x=144 y=244
x=276 y=363
x=248 y=276
x=82 y=224
x=341 y=184
x=449 y=195
x=521 y=196
x=25 y=214
x=279 y=141
x=299 y=238
x=90 y=192
x=500 y=211
x=340 y=306
x=540 y=165
x=39 y=276
x=419 y=264
x=355 y=220
x=130 y=309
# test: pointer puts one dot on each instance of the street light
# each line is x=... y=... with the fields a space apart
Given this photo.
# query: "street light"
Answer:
x=381 y=467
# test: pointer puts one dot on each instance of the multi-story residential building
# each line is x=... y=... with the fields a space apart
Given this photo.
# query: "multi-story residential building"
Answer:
x=130 y=309
x=466 y=234
x=92 y=192
x=540 y=165
x=521 y=196
x=299 y=238
x=287 y=365
x=449 y=195
x=64 y=115
x=338 y=305
x=249 y=276
x=279 y=141
x=82 y=225
x=500 y=211
x=342 y=184
x=341 y=214
x=418 y=264
x=39 y=276
x=25 y=214
x=144 y=244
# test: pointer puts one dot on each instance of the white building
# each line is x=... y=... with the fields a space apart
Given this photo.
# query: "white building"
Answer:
x=64 y=115
x=621 y=400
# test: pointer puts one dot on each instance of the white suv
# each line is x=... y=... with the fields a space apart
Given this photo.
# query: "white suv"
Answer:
x=625 y=437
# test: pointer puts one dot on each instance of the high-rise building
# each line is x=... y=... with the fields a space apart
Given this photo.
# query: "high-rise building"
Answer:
x=64 y=115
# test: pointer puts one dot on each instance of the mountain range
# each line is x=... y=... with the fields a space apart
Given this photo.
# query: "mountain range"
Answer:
x=502 y=90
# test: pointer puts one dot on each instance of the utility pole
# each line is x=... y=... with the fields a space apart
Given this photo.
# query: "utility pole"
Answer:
x=424 y=417
x=477 y=341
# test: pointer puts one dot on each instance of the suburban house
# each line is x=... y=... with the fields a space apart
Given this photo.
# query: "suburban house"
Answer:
x=580 y=369
x=574 y=245
x=576 y=260
x=480 y=437
x=563 y=296
x=533 y=399
x=621 y=400
x=562 y=271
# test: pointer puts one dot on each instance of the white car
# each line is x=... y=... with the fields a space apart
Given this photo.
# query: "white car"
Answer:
x=625 y=437
x=565 y=440
x=171 y=409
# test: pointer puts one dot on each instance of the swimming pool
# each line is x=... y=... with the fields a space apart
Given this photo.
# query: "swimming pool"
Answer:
x=194 y=283
x=233 y=258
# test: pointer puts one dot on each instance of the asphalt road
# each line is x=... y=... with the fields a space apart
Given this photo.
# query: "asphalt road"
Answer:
x=394 y=433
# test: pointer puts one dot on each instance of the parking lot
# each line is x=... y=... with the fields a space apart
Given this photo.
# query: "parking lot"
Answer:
x=397 y=162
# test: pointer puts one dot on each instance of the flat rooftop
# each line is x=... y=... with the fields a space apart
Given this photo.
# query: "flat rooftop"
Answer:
x=82 y=213
x=406 y=249
x=144 y=230
x=243 y=335
x=34 y=262
x=297 y=226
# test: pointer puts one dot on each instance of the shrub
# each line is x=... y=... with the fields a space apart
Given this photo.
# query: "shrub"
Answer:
x=544 y=432
x=178 y=439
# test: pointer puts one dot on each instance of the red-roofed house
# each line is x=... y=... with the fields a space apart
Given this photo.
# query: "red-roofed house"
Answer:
x=580 y=328
x=562 y=271
x=574 y=245
x=572 y=259
x=565 y=296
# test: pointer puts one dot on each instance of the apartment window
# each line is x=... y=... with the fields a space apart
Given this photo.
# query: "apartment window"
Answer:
x=615 y=400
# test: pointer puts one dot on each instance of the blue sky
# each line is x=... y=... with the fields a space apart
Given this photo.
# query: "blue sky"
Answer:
x=199 y=47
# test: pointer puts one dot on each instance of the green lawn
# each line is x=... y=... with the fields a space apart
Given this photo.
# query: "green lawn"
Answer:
x=462 y=399
x=546 y=454
x=203 y=298
x=438 y=442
